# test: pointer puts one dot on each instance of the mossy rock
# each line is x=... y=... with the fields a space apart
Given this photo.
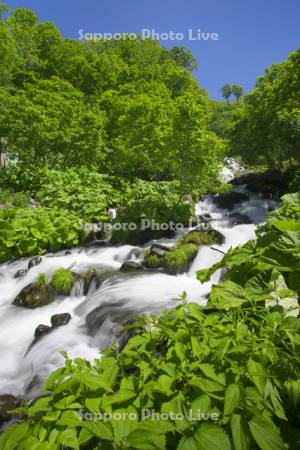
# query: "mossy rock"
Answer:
x=200 y=237
x=63 y=281
x=35 y=295
x=180 y=258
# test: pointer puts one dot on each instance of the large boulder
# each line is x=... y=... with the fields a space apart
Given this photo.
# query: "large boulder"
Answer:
x=244 y=178
x=35 y=295
x=229 y=199
x=270 y=183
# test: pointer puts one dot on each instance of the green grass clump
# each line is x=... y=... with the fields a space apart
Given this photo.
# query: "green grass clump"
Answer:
x=42 y=279
x=62 y=281
x=153 y=261
x=179 y=259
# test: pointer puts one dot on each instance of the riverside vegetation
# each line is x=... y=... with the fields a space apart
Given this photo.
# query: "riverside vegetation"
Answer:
x=124 y=124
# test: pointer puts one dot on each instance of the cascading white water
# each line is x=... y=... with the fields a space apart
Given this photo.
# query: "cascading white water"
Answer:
x=97 y=318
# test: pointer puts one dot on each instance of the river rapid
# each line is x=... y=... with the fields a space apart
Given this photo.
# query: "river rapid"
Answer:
x=97 y=317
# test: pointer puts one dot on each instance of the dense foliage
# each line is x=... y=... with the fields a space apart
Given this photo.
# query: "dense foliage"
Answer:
x=268 y=125
x=34 y=231
x=127 y=107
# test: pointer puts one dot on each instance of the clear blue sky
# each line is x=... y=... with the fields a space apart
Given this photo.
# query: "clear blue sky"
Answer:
x=253 y=34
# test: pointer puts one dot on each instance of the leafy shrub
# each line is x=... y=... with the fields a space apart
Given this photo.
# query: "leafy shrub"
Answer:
x=22 y=178
x=160 y=202
x=27 y=231
x=62 y=281
x=240 y=369
x=80 y=191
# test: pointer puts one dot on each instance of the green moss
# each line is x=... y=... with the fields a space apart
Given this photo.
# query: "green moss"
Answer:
x=179 y=259
x=201 y=238
x=153 y=261
x=62 y=281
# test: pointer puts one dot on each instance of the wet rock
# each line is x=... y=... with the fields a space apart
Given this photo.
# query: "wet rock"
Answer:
x=58 y=320
x=240 y=219
x=35 y=295
x=229 y=199
x=68 y=252
x=159 y=250
x=35 y=262
x=130 y=266
x=204 y=218
x=7 y=403
x=102 y=276
x=20 y=273
x=41 y=330
x=244 y=178
x=94 y=232
x=135 y=253
x=88 y=277
x=114 y=318
x=270 y=184
x=218 y=237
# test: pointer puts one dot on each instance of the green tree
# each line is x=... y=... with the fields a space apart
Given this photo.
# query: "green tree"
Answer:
x=237 y=91
x=226 y=92
x=267 y=127
x=48 y=123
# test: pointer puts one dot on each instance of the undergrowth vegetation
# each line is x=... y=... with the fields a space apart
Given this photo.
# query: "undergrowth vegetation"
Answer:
x=225 y=376
x=215 y=381
x=27 y=231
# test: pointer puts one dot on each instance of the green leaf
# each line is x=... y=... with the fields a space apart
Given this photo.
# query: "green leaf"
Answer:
x=70 y=419
x=232 y=397
x=265 y=434
x=258 y=374
x=211 y=437
x=239 y=433
x=13 y=436
x=102 y=430
x=69 y=438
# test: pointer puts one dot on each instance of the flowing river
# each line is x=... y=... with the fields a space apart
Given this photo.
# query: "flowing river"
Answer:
x=97 y=317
